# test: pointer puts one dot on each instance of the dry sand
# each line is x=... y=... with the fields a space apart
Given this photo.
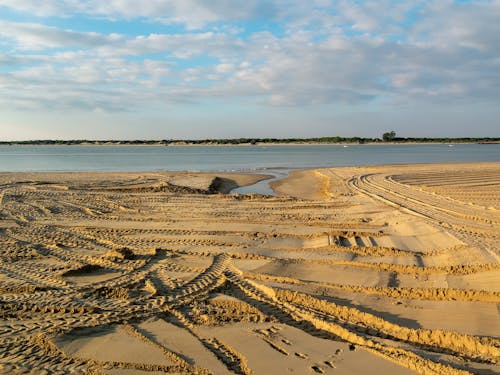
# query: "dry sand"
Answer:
x=391 y=270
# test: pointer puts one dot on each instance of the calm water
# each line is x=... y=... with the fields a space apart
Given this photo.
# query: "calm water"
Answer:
x=227 y=158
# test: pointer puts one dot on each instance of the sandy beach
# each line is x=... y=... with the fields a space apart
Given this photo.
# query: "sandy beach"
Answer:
x=355 y=270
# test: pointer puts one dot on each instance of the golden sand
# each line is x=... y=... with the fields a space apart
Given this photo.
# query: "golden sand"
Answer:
x=390 y=270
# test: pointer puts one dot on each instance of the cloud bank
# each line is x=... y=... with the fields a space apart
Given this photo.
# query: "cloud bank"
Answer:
x=126 y=56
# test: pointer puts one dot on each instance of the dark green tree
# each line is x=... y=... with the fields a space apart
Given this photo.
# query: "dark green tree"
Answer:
x=389 y=136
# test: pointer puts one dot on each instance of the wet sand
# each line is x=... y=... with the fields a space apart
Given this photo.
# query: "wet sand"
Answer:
x=346 y=270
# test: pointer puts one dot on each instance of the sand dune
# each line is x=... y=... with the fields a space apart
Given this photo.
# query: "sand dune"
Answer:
x=348 y=270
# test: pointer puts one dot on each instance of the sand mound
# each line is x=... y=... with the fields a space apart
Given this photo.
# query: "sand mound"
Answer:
x=121 y=253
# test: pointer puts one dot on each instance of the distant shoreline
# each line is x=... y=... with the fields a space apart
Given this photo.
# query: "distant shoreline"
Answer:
x=230 y=142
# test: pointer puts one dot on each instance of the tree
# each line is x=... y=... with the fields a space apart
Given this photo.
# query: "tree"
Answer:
x=389 y=136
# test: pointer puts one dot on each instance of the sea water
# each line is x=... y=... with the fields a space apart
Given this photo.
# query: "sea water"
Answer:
x=277 y=160
x=17 y=158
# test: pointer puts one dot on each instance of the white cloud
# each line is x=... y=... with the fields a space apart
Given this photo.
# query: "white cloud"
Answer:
x=38 y=36
x=353 y=54
x=192 y=13
x=224 y=68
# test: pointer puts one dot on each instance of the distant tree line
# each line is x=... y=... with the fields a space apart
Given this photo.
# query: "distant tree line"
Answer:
x=387 y=137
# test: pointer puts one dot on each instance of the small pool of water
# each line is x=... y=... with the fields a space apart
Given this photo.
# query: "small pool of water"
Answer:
x=262 y=187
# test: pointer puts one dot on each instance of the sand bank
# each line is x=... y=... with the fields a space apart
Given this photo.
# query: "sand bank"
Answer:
x=348 y=269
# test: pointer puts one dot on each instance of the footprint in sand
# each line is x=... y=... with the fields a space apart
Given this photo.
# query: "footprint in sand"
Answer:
x=317 y=369
x=330 y=364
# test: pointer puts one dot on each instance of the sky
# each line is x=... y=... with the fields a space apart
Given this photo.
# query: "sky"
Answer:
x=195 y=69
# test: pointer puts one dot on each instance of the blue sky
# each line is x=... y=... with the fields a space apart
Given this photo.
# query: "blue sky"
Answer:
x=162 y=69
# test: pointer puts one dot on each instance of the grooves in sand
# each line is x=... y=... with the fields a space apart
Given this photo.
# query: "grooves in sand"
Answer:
x=348 y=269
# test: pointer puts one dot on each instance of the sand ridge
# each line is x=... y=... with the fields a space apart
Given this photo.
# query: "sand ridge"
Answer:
x=349 y=269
